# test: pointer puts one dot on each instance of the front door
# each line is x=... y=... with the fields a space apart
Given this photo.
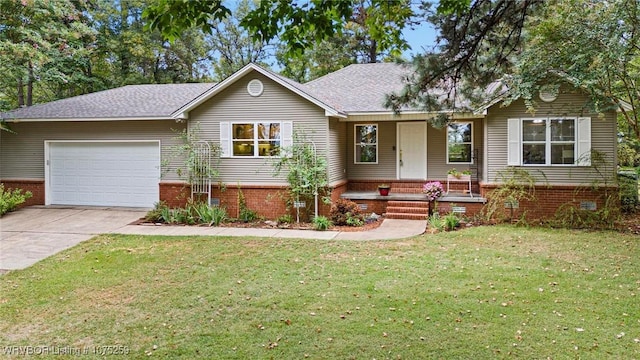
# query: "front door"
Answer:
x=412 y=150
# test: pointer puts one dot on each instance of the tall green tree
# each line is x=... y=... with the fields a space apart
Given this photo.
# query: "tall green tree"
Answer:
x=127 y=54
x=593 y=45
x=297 y=25
x=359 y=41
x=231 y=45
x=477 y=43
x=42 y=41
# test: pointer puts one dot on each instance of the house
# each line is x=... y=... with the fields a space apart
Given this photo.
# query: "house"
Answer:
x=111 y=148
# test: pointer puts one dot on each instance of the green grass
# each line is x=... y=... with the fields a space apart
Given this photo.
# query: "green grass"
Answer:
x=485 y=292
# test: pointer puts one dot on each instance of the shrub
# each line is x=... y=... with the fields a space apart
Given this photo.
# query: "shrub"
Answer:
x=436 y=222
x=10 y=199
x=245 y=214
x=354 y=220
x=321 y=223
x=166 y=215
x=451 y=222
x=155 y=214
x=185 y=216
x=248 y=215
x=628 y=155
x=285 y=219
x=342 y=210
x=210 y=215
x=628 y=186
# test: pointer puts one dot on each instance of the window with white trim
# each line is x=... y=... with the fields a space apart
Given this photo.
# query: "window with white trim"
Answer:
x=254 y=139
x=460 y=143
x=550 y=141
x=366 y=144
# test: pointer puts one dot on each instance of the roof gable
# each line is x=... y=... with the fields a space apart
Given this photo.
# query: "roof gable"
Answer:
x=289 y=84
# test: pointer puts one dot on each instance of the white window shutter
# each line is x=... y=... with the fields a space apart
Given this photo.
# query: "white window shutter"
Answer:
x=225 y=139
x=584 y=141
x=514 y=150
x=287 y=134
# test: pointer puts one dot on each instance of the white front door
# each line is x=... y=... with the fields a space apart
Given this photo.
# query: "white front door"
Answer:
x=412 y=150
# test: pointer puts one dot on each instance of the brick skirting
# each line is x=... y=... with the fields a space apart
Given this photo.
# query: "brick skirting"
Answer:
x=269 y=202
x=35 y=186
x=549 y=198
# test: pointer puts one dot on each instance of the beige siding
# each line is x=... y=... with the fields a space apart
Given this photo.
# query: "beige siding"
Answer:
x=603 y=139
x=437 y=166
x=386 y=166
x=22 y=154
x=276 y=103
x=337 y=151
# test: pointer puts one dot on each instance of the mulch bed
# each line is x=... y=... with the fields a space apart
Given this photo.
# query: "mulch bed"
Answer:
x=371 y=224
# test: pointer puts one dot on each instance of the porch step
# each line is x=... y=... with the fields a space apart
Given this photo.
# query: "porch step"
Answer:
x=408 y=210
x=406 y=216
x=407 y=187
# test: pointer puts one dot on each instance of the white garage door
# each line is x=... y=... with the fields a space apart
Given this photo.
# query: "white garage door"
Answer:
x=104 y=173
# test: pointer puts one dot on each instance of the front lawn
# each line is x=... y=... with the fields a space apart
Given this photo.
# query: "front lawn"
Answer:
x=483 y=292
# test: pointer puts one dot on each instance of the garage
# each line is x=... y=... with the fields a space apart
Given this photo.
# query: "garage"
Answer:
x=105 y=173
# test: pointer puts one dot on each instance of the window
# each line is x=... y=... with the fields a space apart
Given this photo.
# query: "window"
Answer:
x=460 y=143
x=255 y=139
x=366 y=144
x=549 y=141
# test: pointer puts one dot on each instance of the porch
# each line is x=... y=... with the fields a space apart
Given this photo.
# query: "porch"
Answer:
x=406 y=201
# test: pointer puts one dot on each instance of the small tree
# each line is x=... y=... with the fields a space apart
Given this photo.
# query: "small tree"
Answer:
x=192 y=167
x=306 y=171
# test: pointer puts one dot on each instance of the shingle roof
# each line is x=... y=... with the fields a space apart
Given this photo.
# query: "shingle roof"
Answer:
x=360 y=87
x=355 y=88
x=127 y=102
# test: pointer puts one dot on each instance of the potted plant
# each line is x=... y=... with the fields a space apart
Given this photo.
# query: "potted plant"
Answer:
x=384 y=189
x=433 y=190
x=454 y=174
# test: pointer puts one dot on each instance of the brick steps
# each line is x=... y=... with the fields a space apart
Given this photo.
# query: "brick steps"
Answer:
x=406 y=188
x=408 y=210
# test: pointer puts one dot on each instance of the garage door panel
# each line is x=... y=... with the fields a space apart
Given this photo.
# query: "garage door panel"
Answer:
x=104 y=174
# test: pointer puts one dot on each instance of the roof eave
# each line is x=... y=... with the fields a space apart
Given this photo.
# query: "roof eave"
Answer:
x=454 y=114
x=622 y=105
x=137 y=118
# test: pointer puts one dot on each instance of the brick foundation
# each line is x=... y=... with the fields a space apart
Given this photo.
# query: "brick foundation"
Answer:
x=35 y=186
x=174 y=194
x=471 y=209
x=269 y=202
x=550 y=198
x=365 y=185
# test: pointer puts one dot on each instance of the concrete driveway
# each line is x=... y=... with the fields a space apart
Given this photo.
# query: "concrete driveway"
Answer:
x=34 y=233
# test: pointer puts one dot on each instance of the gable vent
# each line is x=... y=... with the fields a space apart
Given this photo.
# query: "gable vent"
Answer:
x=255 y=87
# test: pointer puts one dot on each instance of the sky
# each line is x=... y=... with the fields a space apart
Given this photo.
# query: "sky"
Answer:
x=421 y=38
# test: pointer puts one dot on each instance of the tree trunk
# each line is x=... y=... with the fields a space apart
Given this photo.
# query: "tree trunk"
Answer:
x=30 y=85
x=20 y=93
x=373 y=51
